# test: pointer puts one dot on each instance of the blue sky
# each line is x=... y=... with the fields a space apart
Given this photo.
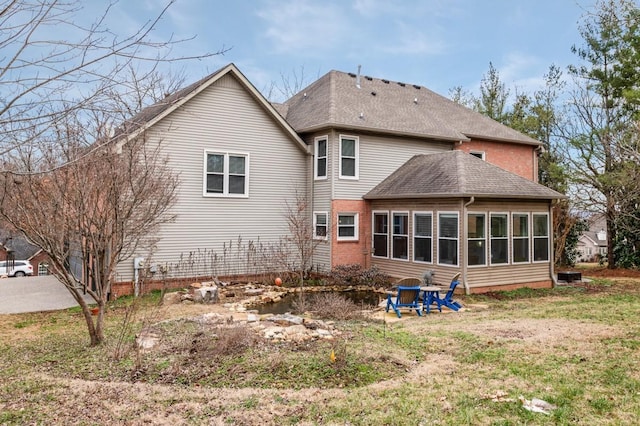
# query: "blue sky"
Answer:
x=438 y=44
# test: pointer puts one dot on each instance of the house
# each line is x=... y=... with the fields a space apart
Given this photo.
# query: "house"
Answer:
x=593 y=243
x=396 y=176
x=19 y=248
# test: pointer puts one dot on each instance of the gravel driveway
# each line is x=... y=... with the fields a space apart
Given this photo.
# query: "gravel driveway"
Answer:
x=33 y=294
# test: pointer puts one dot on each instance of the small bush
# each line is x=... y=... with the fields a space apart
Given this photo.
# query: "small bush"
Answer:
x=355 y=275
x=333 y=306
x=232 y=341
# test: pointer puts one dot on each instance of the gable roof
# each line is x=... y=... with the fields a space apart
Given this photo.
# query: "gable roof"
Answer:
x=335 y=100
x=152 y=114
x=456 y=174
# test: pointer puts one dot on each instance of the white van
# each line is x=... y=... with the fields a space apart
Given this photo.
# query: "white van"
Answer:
x=18 y=268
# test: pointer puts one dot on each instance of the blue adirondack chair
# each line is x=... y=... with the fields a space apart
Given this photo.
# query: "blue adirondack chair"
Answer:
x=447 y=300
x=404 y=297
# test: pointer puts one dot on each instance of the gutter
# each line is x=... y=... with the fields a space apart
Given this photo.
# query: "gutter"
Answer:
x=465 y=244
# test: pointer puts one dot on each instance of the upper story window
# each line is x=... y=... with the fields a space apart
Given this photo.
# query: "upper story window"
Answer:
x=226 y=174
x=347 y=226
x=349 y=157
x=320 y=163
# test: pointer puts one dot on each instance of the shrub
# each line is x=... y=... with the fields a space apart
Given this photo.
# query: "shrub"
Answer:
x=354 y=275
x=329 y=305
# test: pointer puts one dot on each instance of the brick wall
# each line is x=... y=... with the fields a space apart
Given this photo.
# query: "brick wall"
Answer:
x=350 y=252
x=515 y=158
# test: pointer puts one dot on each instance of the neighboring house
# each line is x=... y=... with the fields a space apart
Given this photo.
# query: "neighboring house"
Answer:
x=385 y=166
x=21 y=249
x=593 y=243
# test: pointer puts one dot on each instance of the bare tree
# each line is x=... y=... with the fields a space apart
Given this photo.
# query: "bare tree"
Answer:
x=89 y=210
x=44 y=77
x=301 y=234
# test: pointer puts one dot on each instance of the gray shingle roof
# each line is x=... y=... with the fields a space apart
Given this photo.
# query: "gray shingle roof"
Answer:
x=455 y=174
x=390 y=107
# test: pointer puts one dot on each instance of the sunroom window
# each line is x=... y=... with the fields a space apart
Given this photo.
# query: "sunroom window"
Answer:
x=448 y=238
x=381 y=234
x=476 y=239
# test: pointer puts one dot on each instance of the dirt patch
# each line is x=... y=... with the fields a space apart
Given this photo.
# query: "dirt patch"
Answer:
x=546 y=332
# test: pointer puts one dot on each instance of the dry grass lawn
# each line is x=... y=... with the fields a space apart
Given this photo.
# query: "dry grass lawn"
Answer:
x=575 y=347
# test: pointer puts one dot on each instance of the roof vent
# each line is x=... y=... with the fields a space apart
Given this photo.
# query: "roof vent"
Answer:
x=361 y=115
x=368 y=78
x=416 y=86
x=401 y=84
x=385 y=81
x=415 y=101
x=358 y=77
x=352 y=75
x=373 y=93
x=304 y=95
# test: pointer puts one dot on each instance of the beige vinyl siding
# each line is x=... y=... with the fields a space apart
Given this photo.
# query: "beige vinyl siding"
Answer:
x=378 y=158
x=225 y=118
x=321 y=196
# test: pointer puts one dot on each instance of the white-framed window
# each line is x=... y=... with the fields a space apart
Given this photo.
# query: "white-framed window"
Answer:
x=520 y=237
x=349 y=153
x=321 y=152
x=347 y=226
x=320 y=225
x=423 y=237
x=540 y=237
x=476 y=239
x=43 y=268
x=226 y=174
x=380 y=234
x=448 y=238
x=479 y=154
x=400 y=241
x=499 y=238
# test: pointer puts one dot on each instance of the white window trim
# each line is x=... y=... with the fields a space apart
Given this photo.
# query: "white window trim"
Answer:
x=373 y=233
x=513 y=237
x=457 y=214
x=315 y=223
x=408 y=235
x=486 y=240
x=315 y=157
x=533 y=238
x=508 y=238
x=357 y=153
x=225 y=185
x=413 y=236
x=356 y=222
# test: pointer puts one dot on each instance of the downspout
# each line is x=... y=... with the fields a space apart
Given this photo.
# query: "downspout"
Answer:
x=465 y=245
x=552 y=254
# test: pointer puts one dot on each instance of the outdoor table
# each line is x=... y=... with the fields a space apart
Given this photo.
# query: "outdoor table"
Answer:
x=430 y=294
